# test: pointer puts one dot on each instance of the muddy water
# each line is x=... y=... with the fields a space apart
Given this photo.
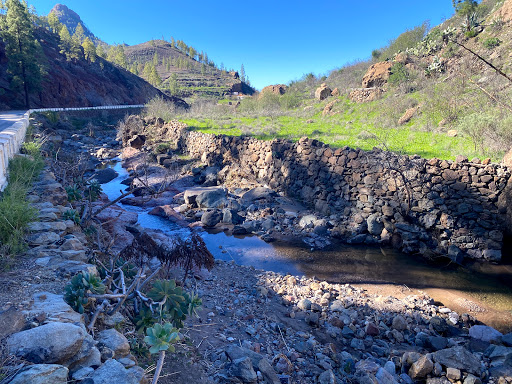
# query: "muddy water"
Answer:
x=483 y=290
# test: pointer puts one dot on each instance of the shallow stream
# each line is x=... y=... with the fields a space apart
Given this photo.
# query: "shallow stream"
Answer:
x=482 y=289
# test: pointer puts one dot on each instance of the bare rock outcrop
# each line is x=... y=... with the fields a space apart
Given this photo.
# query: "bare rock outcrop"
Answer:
x=377 y=75
x=323 y=92
x=278 y=89
x=408 y=115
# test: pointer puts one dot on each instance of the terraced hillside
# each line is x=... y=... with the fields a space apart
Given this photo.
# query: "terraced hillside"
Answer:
x=181 y=74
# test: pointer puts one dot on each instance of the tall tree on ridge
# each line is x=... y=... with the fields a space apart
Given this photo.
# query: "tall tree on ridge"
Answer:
x=21 y=48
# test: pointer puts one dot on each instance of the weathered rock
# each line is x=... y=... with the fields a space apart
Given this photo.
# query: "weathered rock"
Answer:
x=11 y=321
x=278 y=89
x=242 y=369
x=206 y=197
x=258 y=193
x=485 y=333
x=377 y=75
x=458 y=357
x=257 y=360
x=53 y=308
x=230 y=216
x=50 y=343
x=327 y=377
x=375 y=225
x=42 y=374
x=137 y=141
x=408 y=115
x=323 y=92
x=106 y=175
x=421 y=368
x=114 y=340
x=399 y=323
x=211 y=218
x=114 y=372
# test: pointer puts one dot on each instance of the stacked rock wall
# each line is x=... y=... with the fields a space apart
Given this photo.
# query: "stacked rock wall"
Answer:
x=433 y=207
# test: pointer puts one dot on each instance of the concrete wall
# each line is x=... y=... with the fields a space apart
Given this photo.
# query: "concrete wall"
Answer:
x=12 y=138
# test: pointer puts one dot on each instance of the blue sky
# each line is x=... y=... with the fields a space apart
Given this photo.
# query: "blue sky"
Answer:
x=277 y=41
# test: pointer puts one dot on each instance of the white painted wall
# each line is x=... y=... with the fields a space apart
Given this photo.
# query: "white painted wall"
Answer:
x=12 y=138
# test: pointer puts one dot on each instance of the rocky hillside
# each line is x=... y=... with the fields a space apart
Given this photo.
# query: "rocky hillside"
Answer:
x=77 y=83
x=192 y=77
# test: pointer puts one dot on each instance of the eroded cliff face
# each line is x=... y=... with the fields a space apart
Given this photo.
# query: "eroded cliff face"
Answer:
x=77 y=83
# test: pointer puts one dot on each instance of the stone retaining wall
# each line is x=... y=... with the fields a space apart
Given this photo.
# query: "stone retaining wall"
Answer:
x=433 y=207
x=12 y=138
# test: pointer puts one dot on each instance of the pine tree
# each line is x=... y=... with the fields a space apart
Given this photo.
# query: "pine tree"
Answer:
x=53 y=21
x=192 y=52
x=155 y=59
x=69 y=46
x=21 y=48
x=173 y=85
x=79 y=33
x=173 y=42
x=100 y=51
x=89 y=50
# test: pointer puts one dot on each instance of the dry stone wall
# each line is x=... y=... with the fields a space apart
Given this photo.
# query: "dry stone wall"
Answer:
x=433 y=207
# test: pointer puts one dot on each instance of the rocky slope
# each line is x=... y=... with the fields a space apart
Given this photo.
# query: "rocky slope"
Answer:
x=77 y=83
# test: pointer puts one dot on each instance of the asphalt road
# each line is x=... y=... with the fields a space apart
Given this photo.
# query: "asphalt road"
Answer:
x=7 y=118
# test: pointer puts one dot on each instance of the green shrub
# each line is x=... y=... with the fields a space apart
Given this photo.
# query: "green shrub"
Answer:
x=471 y=33
x=408 y=39
x=15 y=211
x=491 y=42
x=399 y=74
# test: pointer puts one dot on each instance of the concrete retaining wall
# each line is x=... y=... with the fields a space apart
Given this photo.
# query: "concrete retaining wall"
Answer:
x=12 y=138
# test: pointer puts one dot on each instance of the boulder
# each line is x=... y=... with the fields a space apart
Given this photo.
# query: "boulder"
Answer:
x=458 y=357
x=206 y=197
x=113 y=371
x=377 y=75
x=103 y=176
x=278 y=89
x=42 y=374
x=53 y=308
x=242 y=369
x=211 y=218
x=485 y=333
x=421 y=368
x=230 y=216
x=408 y=115
x=49 y=343
x=258 y=193
x=137 y=141
x=115 y=341
x=11 y=321
x=323 y=92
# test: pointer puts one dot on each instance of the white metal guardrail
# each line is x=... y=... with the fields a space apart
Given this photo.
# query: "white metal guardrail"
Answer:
x=12 y=138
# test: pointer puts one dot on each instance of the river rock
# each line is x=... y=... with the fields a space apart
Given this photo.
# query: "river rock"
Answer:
x=257 y=193
x=507 y=339
x=105 y=175
x=211 y=218
x=458 y=357
x=385 y=377
x=42 y=374
x=114 y=340
x=327 y=377
x=113 y=371
x=230 y=216
x=485 y=333
x=399 y=323
x=50 y=343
